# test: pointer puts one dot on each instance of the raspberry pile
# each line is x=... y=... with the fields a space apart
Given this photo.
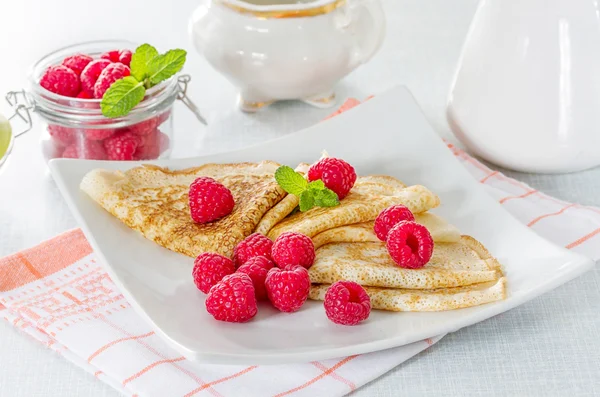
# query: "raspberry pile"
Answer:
x=84 y=77
x=285 y=283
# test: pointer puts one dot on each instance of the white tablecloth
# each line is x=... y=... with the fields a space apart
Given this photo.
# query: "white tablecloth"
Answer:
x=546 y=347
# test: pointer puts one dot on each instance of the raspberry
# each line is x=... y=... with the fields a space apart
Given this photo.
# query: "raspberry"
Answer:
x=209 y=269
x=261 y=261
x=163 y=117
x=125 y=57
x=99 y=134
x=410 y=245
x=232 y=299
x=84 y=95
x=336 y=174
x=61 y=80
x=389 y=217
x=91 y=150
x=145 y=127
x=292 y=248
x=109 y=75
x=112 y=56
x=288 y=289
x=63 y=135
x=347 y=303
x=257 y=268
x=255 y=244
x=90 y=75
x=121 y=146
x=77 y=62
x=209 y=200
x=152 y=145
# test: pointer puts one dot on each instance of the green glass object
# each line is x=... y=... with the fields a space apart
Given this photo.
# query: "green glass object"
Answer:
x=5 y=136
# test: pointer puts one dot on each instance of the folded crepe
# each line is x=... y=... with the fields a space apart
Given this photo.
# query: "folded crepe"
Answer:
x=365 y=201
x=410 y=300
x=369 y=264
x=371 y=184
x=154 y=201
x=441 y=231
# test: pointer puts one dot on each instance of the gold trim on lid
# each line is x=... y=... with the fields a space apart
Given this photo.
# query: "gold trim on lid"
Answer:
x=291 y=13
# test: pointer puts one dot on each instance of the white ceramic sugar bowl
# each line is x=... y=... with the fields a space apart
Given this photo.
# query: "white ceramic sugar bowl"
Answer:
x=277 y=50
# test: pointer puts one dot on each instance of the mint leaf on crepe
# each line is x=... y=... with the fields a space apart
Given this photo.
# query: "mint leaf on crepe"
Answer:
x=140 y=60
x=326 y=198
x=307 y=200
x=290 y=180
x=166 y=65
x=316 y=185
x=122 y=96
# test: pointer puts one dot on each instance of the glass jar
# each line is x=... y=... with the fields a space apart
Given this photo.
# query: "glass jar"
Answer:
x=76 y=128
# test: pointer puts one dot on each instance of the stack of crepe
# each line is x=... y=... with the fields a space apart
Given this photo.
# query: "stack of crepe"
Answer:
x=461 y=272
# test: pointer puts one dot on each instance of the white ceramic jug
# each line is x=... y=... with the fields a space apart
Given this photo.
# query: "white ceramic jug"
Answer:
x=282 y=49
x=526 y=94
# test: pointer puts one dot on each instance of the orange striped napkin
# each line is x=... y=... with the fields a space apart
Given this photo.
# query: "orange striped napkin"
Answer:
x=59 y=294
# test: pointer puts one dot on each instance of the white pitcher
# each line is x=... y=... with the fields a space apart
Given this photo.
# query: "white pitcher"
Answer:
x=526 y=94
x=283 y=49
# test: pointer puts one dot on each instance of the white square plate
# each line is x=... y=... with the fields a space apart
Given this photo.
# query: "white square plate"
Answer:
x=386 y=135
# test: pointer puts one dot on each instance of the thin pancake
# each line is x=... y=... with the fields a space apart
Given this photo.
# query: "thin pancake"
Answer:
x=406 y=300
x=357 y=207
x=441 y=231
x=154 y=201
x=369 y=264
x=370 y=184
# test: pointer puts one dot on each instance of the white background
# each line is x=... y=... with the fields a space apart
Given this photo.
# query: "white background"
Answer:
x=546 y=347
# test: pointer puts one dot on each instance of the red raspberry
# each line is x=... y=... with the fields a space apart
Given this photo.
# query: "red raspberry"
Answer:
x=63 y=135
x=336 y=174
x=152 y=145
x=61 y=80
x=99 y=134
x=209 y=200
x=288 y=289
x=257 y=268
x=209 y=269
x=125 y=57
x=84 y=95
x=121 y=146
x=232 y=299
x=90 y=75
x=145 y=127
x=389 y=217
x=110 y=74
x=255 y=244
x=261 y=261
x=77 y=62
x=410 y=245
x=90 y=150
x=112 y=56
x=292 y=248
x=347 y=303
x=163 y=117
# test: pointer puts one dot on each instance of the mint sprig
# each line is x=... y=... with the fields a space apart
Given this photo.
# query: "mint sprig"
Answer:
x=148 y=68
x=310 y=194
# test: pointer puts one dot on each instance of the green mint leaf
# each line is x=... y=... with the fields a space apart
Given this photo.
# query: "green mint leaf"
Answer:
x=307 y=200
x=166 y=65
x=140 y=60
x=290 y=180
x=326 y=198
x=122 y=96
x=316 y=185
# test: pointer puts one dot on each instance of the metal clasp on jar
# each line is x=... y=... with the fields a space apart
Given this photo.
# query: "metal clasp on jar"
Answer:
x=23 y=105
x=183 y=81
